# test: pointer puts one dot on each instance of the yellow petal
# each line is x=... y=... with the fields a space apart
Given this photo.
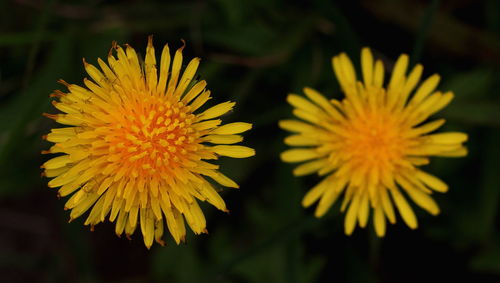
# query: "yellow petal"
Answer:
x=300 y=140
x=164 y=69
x=421 y=198
x=195 y=218
x=444 y=100
x=426 y=128
x=333 y=188
x=187 y=77
x=302 y=103
x=308 y=117
x=83 y=205
x=200 y=100
x=235 y=151
x=326 y=201
x=347 y=67
x=379 y=222
x=404 y=209
x=133 y=215
x=296 y=126
x=108 y=196
x=399 y=70
x=95 y=74
x=424 y=201
x=120 y=222
x=147 y=226
x=212 y=196
x=159 y=232
x=378 y=74
x=216 y=111
x=133 y=60
x=299 y=155
x=337 y=69
x=150 y=71
x=364 y=210
x=411 y=82
x=459 y=152
x=176 y=68
x=62 y=180
x=367 y=66
x=94 y=216
x=223 y=139
x=223 y=180
x=448 y=138
x=206 y=125
x=104 y=185
x=107 y=71
x=232 y=128
x=57 y=162
x=116 y=207
x=315 y=193
x=155 y=206
x=425 y=89
x=324 y=103
x=431 y=181
x=194 y=91
x=55 y=172
x=309 y=167
x=388 y=183
x=352 y=212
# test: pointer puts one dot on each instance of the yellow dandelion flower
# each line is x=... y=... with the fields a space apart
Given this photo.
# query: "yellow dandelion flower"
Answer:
x=369 y=145
x=135 y=149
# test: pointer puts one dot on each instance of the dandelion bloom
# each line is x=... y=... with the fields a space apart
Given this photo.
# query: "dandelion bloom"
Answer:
x=370 y=145
x=135 y=149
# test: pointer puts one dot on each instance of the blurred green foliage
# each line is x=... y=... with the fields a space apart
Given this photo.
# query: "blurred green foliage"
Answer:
x=254 y=52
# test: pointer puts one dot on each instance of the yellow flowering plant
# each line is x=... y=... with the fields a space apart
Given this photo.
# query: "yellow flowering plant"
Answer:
x=370 y=145
x=135 y=146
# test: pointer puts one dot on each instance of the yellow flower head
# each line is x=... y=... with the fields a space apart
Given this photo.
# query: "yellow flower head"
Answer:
x=135 y=149
x=369 y=145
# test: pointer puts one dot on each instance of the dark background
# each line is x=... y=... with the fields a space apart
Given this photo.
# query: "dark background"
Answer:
x=254 y=53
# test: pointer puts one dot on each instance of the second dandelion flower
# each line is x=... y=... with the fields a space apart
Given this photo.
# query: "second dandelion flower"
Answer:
x=370 y=145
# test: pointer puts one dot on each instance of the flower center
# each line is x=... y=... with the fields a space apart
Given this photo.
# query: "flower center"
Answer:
x=154 y=134
x=375 y=141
